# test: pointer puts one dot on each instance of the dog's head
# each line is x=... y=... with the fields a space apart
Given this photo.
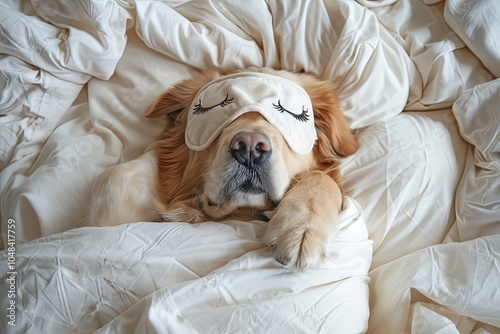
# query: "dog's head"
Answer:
x=238 y=140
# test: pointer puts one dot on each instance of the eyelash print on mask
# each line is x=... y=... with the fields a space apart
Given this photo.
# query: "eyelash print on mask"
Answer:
x=304 y=117
x=199 y=109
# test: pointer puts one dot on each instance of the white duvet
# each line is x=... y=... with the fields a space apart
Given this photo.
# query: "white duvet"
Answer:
x=420 y=247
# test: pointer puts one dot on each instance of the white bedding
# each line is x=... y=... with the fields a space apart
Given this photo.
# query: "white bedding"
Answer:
x=146 y=276
x=417 y=84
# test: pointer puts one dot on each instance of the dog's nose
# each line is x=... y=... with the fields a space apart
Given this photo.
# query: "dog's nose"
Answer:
x=250 y=148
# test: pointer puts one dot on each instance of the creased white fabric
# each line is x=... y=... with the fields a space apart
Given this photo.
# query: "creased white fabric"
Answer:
x=48 y=50
x=476 y=22
x=410 y=167
x=72 y=40
x=478 y=197
x=147 y=273
x=463 y=277
x=77 y=76
x=343 y=42
x=444 y=67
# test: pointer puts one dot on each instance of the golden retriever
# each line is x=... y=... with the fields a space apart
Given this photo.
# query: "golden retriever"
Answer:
x=247 y=170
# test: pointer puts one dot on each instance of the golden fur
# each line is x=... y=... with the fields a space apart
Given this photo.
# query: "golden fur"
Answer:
x=305 y=196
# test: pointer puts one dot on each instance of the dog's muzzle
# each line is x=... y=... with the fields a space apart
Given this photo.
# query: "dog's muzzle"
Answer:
x=248 y=170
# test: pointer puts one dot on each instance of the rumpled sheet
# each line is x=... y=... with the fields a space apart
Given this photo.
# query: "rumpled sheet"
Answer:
x=478 y=195
x=476 y=22
x=76 y=78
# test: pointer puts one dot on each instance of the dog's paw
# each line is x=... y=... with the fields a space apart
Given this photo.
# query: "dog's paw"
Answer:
x=305 y=221
x=298 y=237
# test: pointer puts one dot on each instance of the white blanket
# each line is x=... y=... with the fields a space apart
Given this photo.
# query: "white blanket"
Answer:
x=76 y=78
x=178 y=277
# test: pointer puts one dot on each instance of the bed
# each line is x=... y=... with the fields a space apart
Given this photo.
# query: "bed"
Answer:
x=419 y=245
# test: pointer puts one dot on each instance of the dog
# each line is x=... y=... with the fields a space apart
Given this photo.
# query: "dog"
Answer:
x=251 y=144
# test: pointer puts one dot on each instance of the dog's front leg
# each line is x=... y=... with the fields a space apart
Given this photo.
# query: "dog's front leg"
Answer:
x=305 y=221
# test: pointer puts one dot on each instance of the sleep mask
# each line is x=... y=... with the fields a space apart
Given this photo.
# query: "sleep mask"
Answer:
x=283 y=103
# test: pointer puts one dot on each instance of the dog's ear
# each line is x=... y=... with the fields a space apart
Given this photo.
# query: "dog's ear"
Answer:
x=171 y=151
x=331 y=125
x=178 y=98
